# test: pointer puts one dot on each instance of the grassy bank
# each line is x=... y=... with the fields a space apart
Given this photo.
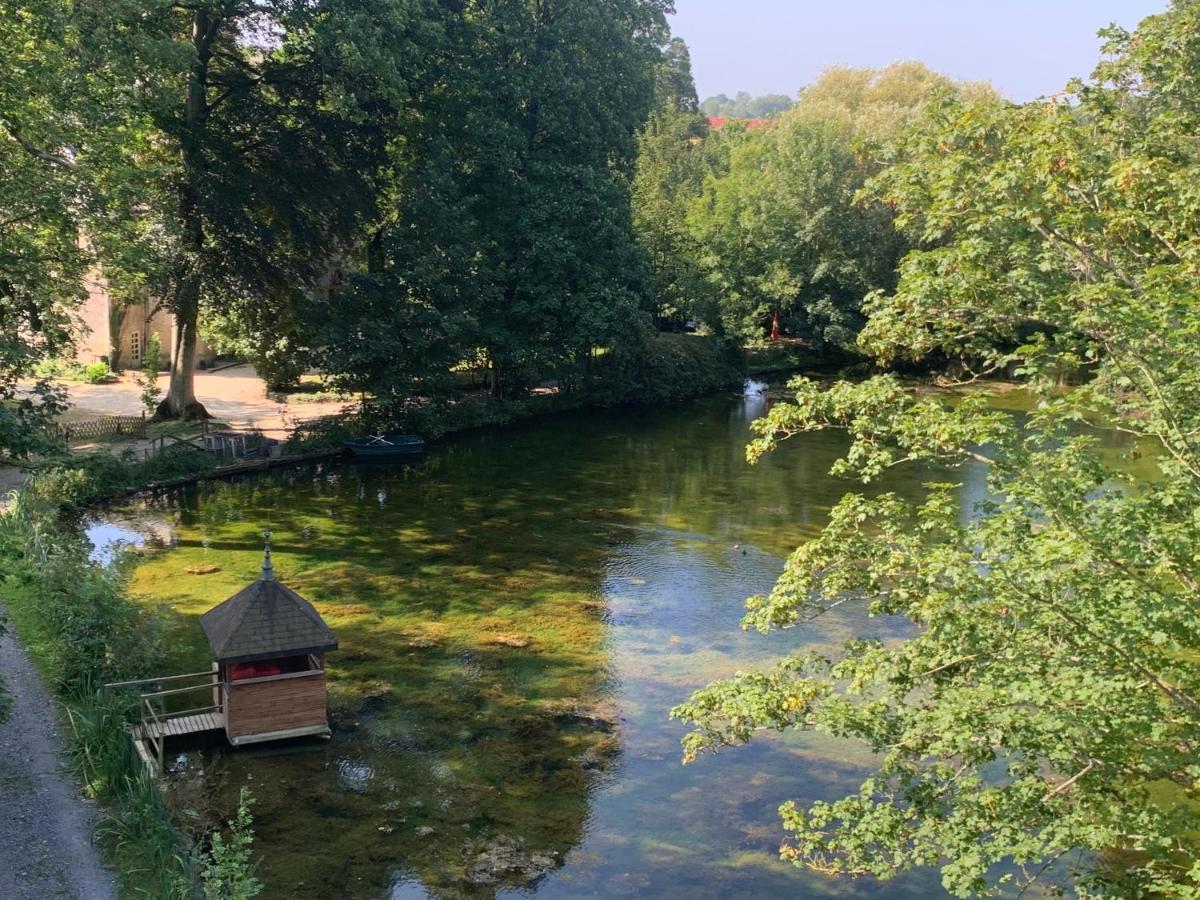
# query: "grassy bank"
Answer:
x=75 y=479
x=82 y=631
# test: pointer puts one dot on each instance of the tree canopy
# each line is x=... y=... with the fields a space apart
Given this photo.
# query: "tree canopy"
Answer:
x=1047 y=707
x=43 y=203
x=779 y=226
x=257 y=132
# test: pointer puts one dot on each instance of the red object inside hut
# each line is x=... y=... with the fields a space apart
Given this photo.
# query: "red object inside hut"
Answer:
x=243 y=671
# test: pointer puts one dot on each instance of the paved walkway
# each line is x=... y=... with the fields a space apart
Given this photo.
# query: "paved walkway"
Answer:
x=237 y=396
x=46 y=848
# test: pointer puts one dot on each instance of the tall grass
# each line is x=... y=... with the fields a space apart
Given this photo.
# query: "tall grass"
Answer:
x=139 y=835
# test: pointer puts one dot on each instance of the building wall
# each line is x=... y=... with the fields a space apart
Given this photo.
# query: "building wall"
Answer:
x=94 y=339
x=278 y=704
x=139 y=320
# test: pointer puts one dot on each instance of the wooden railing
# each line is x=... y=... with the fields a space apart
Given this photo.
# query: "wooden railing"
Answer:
x=227 y=443
x=152 y=708
x=103 y=427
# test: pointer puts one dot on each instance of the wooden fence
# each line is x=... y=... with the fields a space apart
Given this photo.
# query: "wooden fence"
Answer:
x=104 y=427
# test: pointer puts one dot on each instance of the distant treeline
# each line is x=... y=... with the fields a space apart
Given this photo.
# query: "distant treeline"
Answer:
x=743 y=106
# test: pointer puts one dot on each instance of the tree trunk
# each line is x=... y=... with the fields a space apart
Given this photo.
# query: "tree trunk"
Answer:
x=181 y=402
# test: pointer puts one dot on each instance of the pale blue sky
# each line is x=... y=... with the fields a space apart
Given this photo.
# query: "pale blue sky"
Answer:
x=1026 y=48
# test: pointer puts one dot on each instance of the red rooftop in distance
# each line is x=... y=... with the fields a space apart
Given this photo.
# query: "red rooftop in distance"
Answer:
x=716 y=123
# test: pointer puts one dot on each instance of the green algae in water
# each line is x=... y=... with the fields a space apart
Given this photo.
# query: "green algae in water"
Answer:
x=516 y=618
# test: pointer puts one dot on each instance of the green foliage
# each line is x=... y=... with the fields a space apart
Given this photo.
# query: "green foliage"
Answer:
x=671 y=166
x=780 y=227
x=511 y=229
x=1048 y=698
x=147 y=379
x=666 y=367
x=228 y=873
x=82 y=630
x=76 y=480
x=675 y=88
x=41 y=261
x=151 y=856
x=97 y=373
x=876 y=106
x=279 y=347
x=253 y=141
x=62 y=370
x=778 y=231
x=70 y=614
x=743 y=106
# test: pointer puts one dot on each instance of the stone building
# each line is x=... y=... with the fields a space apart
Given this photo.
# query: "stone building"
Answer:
x=116 y=332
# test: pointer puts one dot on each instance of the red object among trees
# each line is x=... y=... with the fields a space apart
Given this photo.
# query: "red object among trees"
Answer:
x=775 y=326
x=716 y=123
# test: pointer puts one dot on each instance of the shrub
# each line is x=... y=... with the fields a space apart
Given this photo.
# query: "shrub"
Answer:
x=666 y=367
x=147 y=379
x=97 y=373
x=76 y=480
x=228 y=872
x=62 y=370
x=73 y=616
x=82 y=630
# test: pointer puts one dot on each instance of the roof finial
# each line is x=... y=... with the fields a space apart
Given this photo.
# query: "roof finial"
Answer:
x=268 y=570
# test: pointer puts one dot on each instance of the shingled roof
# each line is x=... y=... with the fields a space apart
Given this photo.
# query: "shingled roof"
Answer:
x=265 y=620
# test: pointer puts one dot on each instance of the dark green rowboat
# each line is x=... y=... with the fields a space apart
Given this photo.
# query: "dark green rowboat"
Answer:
x=387 y=446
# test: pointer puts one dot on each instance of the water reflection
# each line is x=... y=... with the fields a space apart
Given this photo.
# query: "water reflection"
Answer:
x=516 y=618
x=112 y=534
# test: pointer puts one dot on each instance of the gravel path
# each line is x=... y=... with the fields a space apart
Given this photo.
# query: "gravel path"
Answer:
x=235 y=395
x=46 y=848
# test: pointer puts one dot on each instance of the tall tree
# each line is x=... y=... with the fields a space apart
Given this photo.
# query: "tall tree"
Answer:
x=675 y=86
x=876 y=105
x=782 y=229
x=43 y=205
x=780 y=233
x=1048 y=701
x=262 y=126
x=669 y=176
x=512 y=198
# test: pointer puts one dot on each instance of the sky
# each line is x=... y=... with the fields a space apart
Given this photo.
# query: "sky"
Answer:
x=1025 y=48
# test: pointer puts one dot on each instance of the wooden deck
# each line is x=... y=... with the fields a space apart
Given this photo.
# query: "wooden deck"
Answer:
x=185 y=725
x=149 y=738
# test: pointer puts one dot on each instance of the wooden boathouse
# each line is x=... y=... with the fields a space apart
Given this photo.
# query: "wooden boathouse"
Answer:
x=267 y=681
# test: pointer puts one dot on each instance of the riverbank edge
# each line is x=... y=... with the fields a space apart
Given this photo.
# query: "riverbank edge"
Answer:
x=688 y=368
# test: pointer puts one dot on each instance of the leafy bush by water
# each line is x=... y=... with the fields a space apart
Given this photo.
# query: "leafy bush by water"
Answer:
x=666 y=367
x=229 y=872
x=76 y=480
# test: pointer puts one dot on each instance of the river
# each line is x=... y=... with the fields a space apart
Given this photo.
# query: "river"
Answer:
x=517 y=616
